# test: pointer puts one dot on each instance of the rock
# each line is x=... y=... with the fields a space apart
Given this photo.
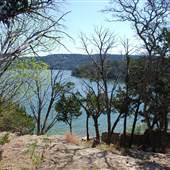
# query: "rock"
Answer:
x=54 y=152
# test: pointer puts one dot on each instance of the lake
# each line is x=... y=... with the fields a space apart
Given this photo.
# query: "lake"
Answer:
x=79 y=124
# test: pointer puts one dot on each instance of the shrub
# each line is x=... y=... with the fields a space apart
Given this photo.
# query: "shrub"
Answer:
x=4 y=139
x=13 y=118
x=71 y=138
x=139 y=129
x=35 y=157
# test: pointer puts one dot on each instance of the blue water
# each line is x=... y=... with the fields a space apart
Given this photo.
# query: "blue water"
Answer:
x=79 y=124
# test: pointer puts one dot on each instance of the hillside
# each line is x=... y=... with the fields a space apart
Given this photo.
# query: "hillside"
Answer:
x=72 y=61
x=113 y=69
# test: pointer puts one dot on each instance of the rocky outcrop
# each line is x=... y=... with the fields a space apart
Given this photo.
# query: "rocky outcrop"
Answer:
x=54 y=152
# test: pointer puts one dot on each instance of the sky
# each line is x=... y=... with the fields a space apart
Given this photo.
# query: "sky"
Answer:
x=84 y=16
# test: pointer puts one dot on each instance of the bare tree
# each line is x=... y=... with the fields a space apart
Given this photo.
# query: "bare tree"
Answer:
x=126 y=101
x=101 y=43
x=147 y=17
x=45 y=88
x=27 y=27
x=95 y=105
x=11 y=87
x=131 y=102
x=12 y=9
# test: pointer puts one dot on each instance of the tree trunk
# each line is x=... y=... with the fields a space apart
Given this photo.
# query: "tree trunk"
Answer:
x=38 y=124
x=134 y=125
x=47 y=113
x=146 y=116
x=124 y=129
x=87 y=128
x=108 y=124
x=166 y=122
x=96 y=128
x=70 y=126
x=113 y=127
x=38 y=127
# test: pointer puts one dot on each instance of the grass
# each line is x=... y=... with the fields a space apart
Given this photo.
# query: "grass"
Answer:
x=36 y=160
x=87 y=143
x=47 y=142
x=24 y=169
x=111 y=148
x=103 y=146
x=71 y=138
x=35 y=157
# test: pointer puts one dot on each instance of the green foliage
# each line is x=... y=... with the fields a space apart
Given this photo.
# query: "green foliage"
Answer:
x=43 y=88
x=123 y=103
x=95 y=103
x=107 y=148
x=65 y=87
x=13 y=118
x=28 y=68
x=119 y=101
x=24 y=168
x=150 y=80
x=113 y=69
x=29 y=64
x=36 y=160
x=28 y=71
x=4 y=139
x=68 y=108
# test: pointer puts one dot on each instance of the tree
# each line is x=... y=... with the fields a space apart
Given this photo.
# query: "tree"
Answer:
x=154 y=89
x=102 y=42
x=96 y=107
x=127 y=99
x=12 y=9
x=10 y=87
x=13 y=87
x=45 y=88
x=147 y=18
x=129 y=103
x=68 y=109
x=27 y=27
x=154 y=93
x=83 y=103
x=149 y=80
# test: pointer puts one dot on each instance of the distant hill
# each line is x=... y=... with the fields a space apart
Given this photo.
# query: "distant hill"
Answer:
x=113 y=70
x=72 y=61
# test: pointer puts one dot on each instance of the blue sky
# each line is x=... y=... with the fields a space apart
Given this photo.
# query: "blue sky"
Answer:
x=84 y=16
